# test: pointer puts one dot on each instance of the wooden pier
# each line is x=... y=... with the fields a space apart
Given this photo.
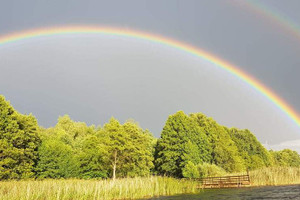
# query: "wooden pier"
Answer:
x=226 y=181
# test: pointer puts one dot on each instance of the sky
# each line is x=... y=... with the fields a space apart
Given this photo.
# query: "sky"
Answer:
x=95 y=77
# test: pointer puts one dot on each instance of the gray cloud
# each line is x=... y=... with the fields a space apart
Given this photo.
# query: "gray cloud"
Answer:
x=291 y=144
x=93 y=78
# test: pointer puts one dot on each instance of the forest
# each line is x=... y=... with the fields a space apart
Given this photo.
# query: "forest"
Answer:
x=190 y=146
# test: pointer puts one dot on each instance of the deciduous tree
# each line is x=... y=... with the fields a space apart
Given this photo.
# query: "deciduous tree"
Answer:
x=18 y=142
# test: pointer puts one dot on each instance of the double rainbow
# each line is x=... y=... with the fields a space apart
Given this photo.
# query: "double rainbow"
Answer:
x=274 y=17
x=45 y=32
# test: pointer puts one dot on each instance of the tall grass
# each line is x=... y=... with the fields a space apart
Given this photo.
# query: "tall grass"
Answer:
x=275 y=176
x=127 y=188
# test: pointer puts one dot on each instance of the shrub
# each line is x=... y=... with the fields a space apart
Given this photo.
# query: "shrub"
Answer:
x=210 y=170
x=190 y=171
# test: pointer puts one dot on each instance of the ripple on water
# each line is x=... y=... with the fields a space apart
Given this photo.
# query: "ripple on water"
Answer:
x=268 y=192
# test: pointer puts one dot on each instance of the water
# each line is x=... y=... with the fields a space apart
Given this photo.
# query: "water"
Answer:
x=268 y=192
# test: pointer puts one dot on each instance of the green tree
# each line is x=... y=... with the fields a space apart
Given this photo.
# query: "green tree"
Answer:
x=130 y=148
x=224 y=151
x=139 y=150
x=18 y=142
x=92 y=157
x=286 y=158
x=70 y=131
x=116 y=142
x=182 y=140
x=250 y=149
x=55 y=160
x=62 y=150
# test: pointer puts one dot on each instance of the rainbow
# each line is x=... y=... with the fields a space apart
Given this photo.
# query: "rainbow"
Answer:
x=274 y=17
x=45 y=32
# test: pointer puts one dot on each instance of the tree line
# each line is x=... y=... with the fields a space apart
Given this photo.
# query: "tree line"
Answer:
x=190 y=146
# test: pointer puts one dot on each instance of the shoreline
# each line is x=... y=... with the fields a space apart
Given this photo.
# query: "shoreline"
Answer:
x=124 y=188
x=133 y=188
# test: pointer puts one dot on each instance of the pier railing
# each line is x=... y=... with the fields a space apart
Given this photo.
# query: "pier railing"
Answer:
x=225 y=181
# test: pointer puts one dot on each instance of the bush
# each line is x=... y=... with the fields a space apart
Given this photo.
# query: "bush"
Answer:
x=202 y=170
x=210 y=170
x=190 y=171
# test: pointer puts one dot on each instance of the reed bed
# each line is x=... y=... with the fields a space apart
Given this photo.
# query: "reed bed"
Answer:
x=127 y=188
x=275 y=176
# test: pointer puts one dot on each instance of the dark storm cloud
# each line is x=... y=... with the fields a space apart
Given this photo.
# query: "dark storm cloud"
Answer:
x=230 y=31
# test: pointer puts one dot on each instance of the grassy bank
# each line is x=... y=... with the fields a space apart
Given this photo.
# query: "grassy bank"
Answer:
x=275 y=176
x=127 y=188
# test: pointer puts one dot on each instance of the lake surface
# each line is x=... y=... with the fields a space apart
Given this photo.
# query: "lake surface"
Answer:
x=268 y=192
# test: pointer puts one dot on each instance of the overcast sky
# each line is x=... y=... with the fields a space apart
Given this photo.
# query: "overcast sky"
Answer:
x=94 y=77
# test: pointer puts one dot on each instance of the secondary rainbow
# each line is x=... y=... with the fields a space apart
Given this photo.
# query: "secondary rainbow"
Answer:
x=276 y=18
x=45 y=32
